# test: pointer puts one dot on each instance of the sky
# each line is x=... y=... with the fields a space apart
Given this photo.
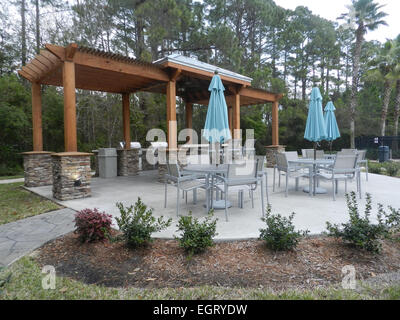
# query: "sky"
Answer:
x=331 y=9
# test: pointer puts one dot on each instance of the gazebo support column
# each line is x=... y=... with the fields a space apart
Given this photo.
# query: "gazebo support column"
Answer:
x=126 y=116
x=230 y=119
x=275 y=147
x=128 y=159
x=171 y=115
x=189 y=119
x=37 y=168
x=275 y=123
x=236 y=117
x=71 y=169
x=69 y=107
x=37 y=117
x=37 y=163
x=71 y=175
x=172 y=131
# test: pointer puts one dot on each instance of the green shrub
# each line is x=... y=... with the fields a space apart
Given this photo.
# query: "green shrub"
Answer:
x=359 y=231
x=392 y=220
x=374 y=167
x=196 y=236
x=392 y=168
x=137 y=223
x=10 y=170
x=280 y=233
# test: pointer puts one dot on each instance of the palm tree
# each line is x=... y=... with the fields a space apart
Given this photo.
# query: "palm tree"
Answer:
x=364 y=15
x=386 y=69
x=397 y=99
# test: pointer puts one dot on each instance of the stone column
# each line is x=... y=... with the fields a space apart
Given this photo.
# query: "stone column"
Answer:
x=128 y=162
x=38 y=168
x=270 y=154
x=71 y=175
x=146 y=165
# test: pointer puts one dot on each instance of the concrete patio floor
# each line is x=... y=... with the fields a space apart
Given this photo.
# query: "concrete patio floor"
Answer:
x=311 y=212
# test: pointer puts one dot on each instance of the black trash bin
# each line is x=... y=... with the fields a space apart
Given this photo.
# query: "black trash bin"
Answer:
x=383 y=153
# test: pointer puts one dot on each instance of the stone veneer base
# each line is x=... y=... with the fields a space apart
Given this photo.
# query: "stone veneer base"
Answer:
x=71 y=175
x=127 y=162
x=37 y=168
x=270 y=154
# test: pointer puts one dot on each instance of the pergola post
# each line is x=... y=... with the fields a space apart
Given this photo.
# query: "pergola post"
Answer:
x=70 y=138
x=275 y=148
x=37 y=117
x=275 y=123
x=236 y=117
x=171 y=115
x=189 y=118
x=230 y=119
x=126 y=120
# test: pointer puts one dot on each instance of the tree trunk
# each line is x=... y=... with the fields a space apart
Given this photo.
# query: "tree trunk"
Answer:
x=23 y=33
x=303 y=88
x=397 y=109
x=327 y=80
x=386 y=100
x=354 y=86
x=37 y=26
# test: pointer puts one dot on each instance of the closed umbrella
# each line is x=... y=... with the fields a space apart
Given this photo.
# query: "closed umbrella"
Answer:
x=315 y=127
x=216 y=128
x=332 y=129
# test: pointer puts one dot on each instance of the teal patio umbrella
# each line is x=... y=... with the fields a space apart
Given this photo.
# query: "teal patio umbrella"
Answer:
x=315 y=127
x=332 y=129
x=216 y=128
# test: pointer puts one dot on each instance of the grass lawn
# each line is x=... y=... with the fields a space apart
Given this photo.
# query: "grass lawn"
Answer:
x=23 y=280
x=17 y=203
x=11 y=177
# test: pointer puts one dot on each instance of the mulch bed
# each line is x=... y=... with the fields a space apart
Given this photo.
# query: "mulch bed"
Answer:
x=316 y=262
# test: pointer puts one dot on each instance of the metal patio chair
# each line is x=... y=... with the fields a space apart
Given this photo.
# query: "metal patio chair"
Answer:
x=290 y=171
x=344 y=168
x=181 y=182
x=239 y=177
x=262 y=172
x=363 y=161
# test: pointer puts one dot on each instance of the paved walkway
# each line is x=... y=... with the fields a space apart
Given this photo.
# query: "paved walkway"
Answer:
x=21 y=237
x=12 y=180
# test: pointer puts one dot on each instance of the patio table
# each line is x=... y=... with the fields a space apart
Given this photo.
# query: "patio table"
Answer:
x=209 y=170
x=312 y=165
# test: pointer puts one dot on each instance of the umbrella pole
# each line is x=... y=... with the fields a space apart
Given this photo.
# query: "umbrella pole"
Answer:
x=314 y=167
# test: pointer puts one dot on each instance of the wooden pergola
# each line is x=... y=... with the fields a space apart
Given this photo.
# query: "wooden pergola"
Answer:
x=74 y=67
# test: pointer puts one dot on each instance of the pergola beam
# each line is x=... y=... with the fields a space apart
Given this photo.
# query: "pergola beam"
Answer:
x=32 y=74
x=40 y=65
x=26 y=75
x=49 y=57
x=105 y=63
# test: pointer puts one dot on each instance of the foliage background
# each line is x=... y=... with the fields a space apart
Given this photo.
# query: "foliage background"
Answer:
x=283 y=50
